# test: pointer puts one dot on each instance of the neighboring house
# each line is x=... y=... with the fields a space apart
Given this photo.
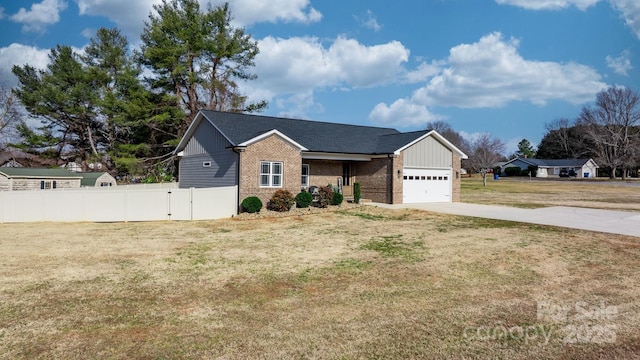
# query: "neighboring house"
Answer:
x=584 y=168
x=12 y=179
x=97 y=179
x=262 y=154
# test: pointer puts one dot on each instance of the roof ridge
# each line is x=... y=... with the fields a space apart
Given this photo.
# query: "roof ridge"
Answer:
x=297 y=119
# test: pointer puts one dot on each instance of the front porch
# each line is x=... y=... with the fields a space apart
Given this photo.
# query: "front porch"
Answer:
x=376 y=177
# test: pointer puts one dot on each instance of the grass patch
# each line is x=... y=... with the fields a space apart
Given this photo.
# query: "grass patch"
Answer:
x=394 y=246
x=406 y=284
x=536 y=193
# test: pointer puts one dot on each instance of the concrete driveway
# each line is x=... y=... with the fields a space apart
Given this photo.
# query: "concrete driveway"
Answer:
x=608 y=221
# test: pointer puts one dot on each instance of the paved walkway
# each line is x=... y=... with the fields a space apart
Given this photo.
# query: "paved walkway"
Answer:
x=608 y=221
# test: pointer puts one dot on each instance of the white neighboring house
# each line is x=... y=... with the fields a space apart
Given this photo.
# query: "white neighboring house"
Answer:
x=548 y=168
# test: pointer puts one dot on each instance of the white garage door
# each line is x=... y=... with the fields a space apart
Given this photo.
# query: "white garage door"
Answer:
x=426 y=185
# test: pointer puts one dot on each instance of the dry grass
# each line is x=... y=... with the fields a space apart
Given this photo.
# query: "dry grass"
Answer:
x=596 y=194
x=358 y=283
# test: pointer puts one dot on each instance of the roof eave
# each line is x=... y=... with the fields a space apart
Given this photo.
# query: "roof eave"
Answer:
x=439 y=137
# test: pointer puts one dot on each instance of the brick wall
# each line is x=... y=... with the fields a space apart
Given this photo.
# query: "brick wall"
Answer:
x=455 y=196
x=373 y=177
x=396 y=179
x=272 y=148
x=324 y=172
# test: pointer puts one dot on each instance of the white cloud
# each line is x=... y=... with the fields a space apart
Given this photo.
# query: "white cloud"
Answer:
x=298 y=65
x=402 y=113
x=129 y=16
x=630 y=10
x=424 y=71
x=40 y=16
x=2 y=14
x=297 y=105
x=549 y=4
x=491 y=73
x=247 y=12
x=621 y=64
x=18 y=54
x=369 y=21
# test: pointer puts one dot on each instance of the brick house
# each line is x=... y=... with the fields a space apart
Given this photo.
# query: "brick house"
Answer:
x=261 y=154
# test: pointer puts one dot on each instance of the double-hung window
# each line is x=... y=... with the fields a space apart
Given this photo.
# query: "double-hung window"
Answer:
x=270 y=174
x=305 y=175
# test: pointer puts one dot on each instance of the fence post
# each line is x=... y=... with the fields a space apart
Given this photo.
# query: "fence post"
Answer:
x=191 y=204
x=169 y=204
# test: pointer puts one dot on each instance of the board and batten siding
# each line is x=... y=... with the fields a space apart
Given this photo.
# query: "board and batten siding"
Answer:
x=208 y=160
x=428 y=153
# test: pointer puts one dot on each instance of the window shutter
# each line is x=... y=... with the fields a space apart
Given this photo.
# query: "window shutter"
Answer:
x=54 y=184
x=42 y=185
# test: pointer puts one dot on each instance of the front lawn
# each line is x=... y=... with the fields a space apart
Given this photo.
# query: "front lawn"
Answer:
x=525 y=193
x=358 y=283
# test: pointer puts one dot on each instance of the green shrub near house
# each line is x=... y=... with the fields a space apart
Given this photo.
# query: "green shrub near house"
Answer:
x=337 y=198
x=251 y=204
x=303 y=199
x=357 y=192
x=512 y=171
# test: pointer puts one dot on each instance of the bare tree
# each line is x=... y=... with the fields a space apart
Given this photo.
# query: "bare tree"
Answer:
x=485 y=152
x=611 y=125
x=9 y=115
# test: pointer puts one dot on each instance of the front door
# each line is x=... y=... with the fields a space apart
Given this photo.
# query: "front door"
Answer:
x=347 y=179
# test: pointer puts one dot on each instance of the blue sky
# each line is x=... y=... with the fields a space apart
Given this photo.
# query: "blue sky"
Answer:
x=506 y=67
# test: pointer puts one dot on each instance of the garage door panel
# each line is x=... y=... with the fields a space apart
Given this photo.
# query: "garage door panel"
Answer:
x=426 y=185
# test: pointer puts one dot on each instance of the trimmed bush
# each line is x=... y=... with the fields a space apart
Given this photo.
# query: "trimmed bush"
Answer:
x=357 y=194
x=337 y=198
x=533 y=170
x=512 y=171
x=282 y=200
x=251 y=204
x=325 y=196
x=304 y=199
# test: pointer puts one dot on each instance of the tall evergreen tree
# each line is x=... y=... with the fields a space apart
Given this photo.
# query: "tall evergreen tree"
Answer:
x=525 y=149
x=137 y=124
x=198 y=57
x=63 y=98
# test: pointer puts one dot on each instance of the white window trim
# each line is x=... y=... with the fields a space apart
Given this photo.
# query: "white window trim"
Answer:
x=271 y=175
x=305 y=178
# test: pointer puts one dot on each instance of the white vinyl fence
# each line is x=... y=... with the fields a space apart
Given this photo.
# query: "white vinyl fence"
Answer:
x=118 y=204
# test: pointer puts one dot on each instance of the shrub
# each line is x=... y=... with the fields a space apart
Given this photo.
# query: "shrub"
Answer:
x=251 y=204
x=533 y=170
x=357 y=194
x=282 y=200
x=337 y=198
x=304 y=199
x=325 y=196
x=512 y=171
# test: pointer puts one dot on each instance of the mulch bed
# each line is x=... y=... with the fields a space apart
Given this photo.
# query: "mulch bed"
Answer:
x=266 y=213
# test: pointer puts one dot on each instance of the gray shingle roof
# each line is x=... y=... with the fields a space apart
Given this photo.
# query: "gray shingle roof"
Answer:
x=555 y=162
x=316 y=136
